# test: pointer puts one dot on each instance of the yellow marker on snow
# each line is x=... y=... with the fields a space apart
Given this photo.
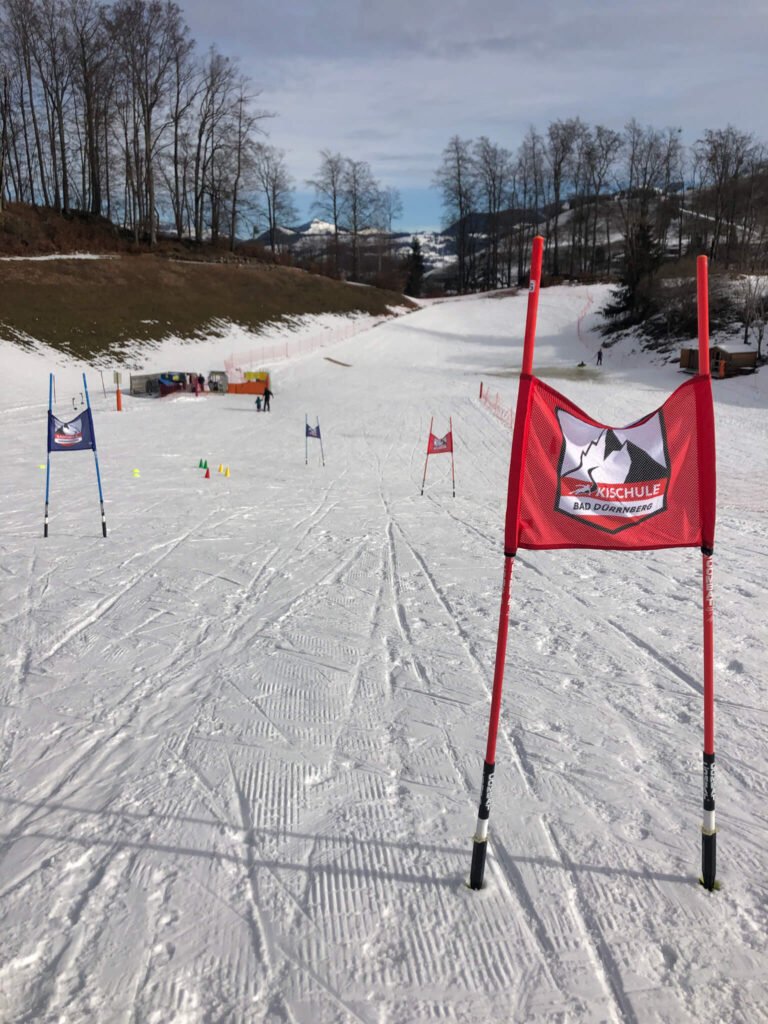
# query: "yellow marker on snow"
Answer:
x=227 y=472
x=221 y=468
x=136 y=472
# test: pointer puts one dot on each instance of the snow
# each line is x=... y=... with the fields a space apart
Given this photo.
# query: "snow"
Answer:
x=243 y=736
x=734 y=348
x=59 y=256
x=317 y=227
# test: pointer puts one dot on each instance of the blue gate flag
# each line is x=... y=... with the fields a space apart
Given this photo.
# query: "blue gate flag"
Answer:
x=71 y=436
x=313 y=431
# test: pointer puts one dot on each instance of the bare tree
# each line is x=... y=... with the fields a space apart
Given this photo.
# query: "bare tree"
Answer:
x=603 y=149
x=5 y=118
x=184 y=90
x=276 y=190
x=52 y=54
x=151 y=36
x=90 y=55
x=457 y=180
x=722 y=158
x=20 y=28
x=561 y=140
x=531 y=190
x=390 y=208
x=752 y=298
x=361 y=202
x=493 y=174
x=215 y=101
x=329 y=196
x=649 y=164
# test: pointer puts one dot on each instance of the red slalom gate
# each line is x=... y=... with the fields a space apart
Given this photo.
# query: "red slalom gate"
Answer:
x=577 y=483
x=439 y=446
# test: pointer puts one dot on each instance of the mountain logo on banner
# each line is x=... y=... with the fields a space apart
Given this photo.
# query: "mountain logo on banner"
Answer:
x=313 y=431
x=68 y=434
x=437 y=445
x=74 y=435
x=611 y=478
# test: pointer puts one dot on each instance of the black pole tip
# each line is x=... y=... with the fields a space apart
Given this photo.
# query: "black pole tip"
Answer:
x=714 y=887
x=477 y=869
x=709 y=861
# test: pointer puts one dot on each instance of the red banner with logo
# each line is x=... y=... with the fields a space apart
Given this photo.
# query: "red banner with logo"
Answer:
x=436 y=445
x=578 y=483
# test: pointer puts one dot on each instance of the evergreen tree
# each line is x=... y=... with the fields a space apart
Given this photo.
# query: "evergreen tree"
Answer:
x=414 y=266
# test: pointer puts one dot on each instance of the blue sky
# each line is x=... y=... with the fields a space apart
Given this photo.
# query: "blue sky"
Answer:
x=391 y=83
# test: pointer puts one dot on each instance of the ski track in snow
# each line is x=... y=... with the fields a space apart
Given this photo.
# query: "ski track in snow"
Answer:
x=243 y=737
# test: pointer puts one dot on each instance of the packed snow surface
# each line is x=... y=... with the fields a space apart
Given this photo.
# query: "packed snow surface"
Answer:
x=243 y=736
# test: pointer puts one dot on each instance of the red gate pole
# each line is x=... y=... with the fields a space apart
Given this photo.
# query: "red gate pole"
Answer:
x=453 y=471
x=480 y=841
x=708 y=828
x=424 y=478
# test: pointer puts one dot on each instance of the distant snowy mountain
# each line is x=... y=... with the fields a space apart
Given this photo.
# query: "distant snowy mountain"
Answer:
x=438 y=248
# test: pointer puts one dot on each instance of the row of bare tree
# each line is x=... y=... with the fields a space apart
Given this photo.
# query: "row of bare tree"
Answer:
x=108 y=109
x=604 y=199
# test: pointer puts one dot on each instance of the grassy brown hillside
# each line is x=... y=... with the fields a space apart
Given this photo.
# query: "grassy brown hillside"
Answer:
x=93 y=307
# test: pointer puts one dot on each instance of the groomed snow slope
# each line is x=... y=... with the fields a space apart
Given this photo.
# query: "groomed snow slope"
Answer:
x=243 y=736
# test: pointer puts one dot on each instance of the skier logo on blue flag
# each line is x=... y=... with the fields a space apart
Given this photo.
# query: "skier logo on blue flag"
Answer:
x=313 y=431
x=70 y=436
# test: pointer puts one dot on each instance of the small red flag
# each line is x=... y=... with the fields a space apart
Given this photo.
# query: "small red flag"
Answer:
x=437 y=445
x=577 y=483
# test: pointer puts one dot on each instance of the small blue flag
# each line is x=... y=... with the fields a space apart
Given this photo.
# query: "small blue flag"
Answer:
x=313 y=431
x=73 y=436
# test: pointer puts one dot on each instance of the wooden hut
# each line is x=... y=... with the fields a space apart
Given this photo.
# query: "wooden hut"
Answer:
x=725 y=360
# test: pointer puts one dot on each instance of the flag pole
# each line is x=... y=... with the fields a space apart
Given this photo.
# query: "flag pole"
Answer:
x=480 y=841
x=96 y=459
x=708 y=827
x=453 y=471
x=429 y=435
x=48 y=446
x=320 y=439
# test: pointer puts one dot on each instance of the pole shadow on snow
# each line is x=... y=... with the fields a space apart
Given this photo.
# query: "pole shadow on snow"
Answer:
x=253 y=837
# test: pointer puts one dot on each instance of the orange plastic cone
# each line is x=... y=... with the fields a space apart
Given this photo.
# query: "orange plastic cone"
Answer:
x=207 y=474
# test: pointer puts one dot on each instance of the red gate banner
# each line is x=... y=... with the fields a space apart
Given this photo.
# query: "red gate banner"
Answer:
x=578 y=483
x=436 y=445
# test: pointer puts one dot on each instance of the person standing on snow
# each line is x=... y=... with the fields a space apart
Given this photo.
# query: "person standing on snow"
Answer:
x=599 y=359
x=267 y=396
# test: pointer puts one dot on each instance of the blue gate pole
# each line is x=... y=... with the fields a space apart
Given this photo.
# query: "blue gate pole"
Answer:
x=96 y=459
x=48 y=446
x=320 y=439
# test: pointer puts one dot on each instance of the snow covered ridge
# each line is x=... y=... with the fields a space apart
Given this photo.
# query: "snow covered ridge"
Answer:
x=242 y=737
x=60 y=256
